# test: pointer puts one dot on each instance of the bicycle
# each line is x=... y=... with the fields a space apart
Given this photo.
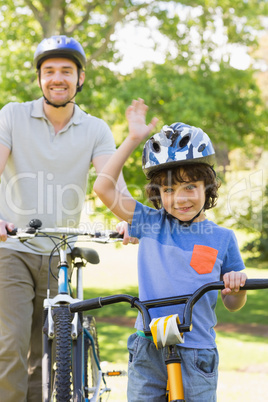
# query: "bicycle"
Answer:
x=71 y=363
x=166 y=331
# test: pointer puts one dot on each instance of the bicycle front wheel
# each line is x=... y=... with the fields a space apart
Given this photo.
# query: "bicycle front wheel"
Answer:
x=63 y=360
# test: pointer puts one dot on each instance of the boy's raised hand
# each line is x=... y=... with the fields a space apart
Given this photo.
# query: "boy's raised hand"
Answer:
x=136 y=117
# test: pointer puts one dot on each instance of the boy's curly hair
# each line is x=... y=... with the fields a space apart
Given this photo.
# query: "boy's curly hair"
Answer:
x=183 y=174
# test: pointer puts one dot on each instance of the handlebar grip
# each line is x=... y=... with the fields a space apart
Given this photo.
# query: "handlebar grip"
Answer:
x=12 y=232
x=84 y=305
x=252 y=284
x=116 y=235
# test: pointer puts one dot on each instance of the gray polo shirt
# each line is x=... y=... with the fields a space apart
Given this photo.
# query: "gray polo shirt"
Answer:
x=46 y=174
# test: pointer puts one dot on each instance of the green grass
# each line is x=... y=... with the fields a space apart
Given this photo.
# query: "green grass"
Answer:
x=113 y=342
x=254 y=312
x=238 y=352
x=113 y=310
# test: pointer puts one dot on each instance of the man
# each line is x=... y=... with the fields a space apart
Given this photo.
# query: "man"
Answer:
x=46 y=148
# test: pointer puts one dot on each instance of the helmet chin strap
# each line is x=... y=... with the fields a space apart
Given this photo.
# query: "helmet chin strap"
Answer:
x=58 y=106
x=187 y=223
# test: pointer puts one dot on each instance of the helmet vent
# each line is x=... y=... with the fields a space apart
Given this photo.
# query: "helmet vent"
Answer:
x=156 y=146
x=201 y=147
x=169 y=133
x=184 y=141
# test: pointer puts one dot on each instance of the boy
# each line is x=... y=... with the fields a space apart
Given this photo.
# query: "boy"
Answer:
x=180 y=250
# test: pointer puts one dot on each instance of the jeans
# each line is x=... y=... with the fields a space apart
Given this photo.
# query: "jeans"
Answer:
x=147 y=373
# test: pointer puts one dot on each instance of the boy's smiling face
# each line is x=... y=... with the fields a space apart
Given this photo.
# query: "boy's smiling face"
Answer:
x=184 y=200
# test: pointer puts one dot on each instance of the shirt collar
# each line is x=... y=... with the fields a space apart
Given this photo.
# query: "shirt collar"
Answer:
x=38 y=112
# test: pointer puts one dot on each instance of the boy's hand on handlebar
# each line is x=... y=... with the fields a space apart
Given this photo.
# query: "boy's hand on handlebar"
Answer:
x=122 y=228
x=4 y=228
x=233 y=282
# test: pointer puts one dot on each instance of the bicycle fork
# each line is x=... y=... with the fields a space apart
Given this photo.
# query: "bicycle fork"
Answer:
x=165 y=333
x=174 y=385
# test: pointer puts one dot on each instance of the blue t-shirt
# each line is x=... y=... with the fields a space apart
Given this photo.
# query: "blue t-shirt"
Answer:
x=176 y=260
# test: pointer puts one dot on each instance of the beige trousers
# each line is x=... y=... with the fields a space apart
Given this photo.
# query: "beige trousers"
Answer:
x=23 y=285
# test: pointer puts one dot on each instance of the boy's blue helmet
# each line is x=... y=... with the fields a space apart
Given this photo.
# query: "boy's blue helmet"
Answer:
x=60 y=46
x=177 y=144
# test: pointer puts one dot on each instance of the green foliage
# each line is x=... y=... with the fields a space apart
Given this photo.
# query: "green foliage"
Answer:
x=219 y=102
x=23 y=23
x=258 y=248
x=195 y=84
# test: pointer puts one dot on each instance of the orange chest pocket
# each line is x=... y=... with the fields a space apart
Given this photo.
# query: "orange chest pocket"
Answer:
x=203 y=259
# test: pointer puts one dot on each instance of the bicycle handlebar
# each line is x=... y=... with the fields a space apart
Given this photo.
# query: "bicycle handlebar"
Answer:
x=98 y=302
x=31 y=232
x=144 y=306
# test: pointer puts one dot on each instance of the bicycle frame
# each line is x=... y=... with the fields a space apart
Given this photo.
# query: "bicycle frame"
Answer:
x=68 y=330
x=175 y=381
x=78 y=333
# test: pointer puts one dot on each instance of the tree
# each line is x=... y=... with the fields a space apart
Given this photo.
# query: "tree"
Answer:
x=256 y=249
x=226 y=104
x=191 y=31
x=195 y=83
x=261 y=55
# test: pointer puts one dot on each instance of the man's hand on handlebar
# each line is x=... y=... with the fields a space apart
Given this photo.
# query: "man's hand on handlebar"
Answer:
x=4 y=227
x=122 y=228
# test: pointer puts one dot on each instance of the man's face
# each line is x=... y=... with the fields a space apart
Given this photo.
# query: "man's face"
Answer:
x=58 y=80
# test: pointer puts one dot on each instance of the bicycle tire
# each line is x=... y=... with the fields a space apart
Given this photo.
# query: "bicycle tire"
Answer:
x=63 y=358
x=91 y=353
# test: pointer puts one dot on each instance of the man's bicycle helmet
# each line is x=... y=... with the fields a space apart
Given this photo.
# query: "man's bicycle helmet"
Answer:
x=60 y=46
x=176 y=144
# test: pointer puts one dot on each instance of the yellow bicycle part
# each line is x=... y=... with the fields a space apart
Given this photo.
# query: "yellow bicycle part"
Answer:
x=174 y=384
x=165 y=332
